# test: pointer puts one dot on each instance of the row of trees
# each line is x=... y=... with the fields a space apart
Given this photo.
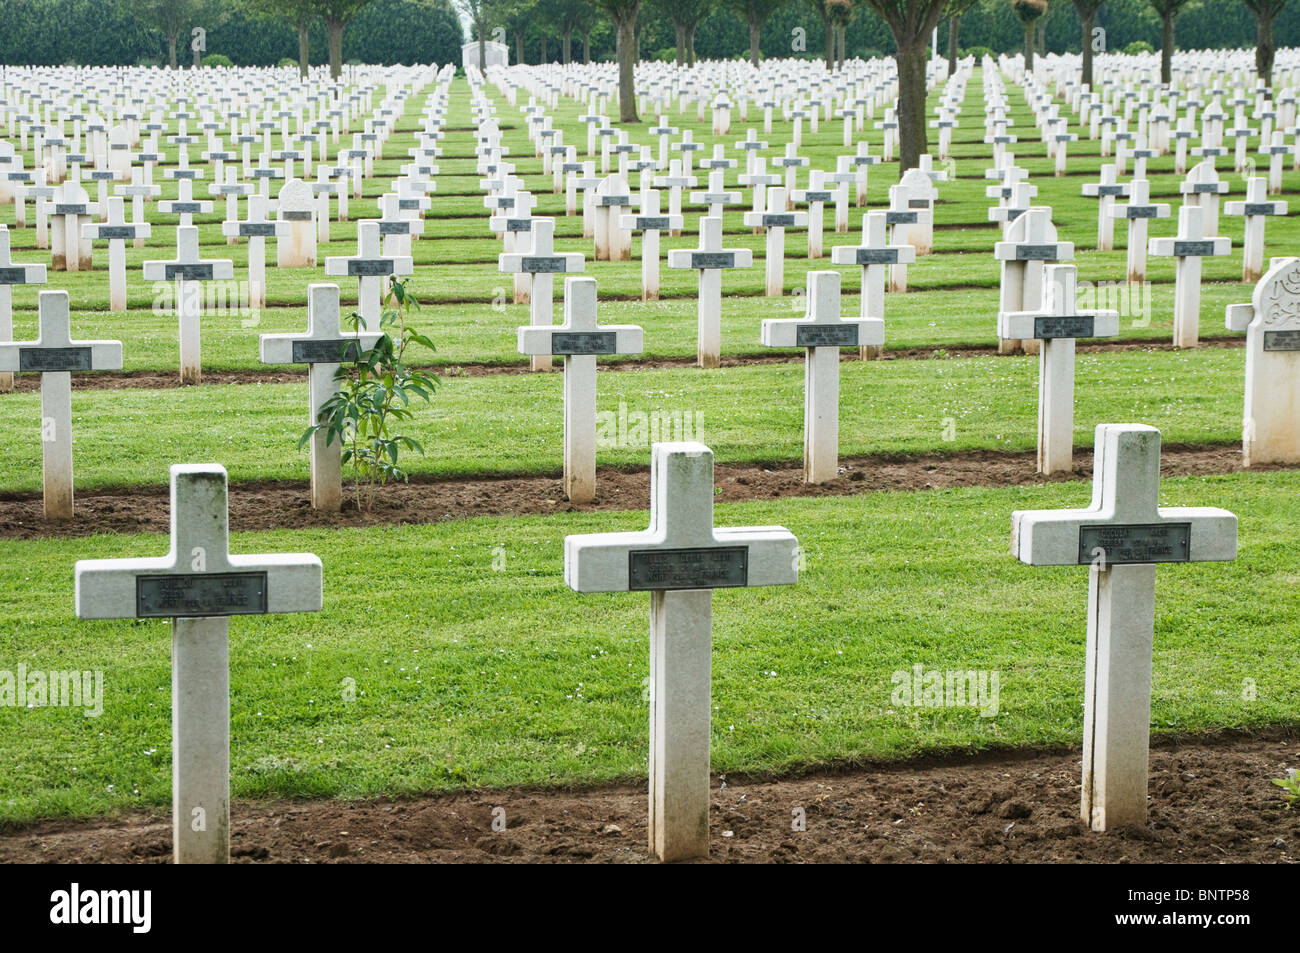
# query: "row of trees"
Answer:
x=543 y=30
x=1032 y=14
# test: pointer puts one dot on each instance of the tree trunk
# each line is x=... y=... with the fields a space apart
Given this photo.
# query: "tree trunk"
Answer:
x=171 y=49
x=690 y=46
x=567 y=49
x=1264 y=50
x=681 y=43
x=911 y=60
x=954 y=26
x=844 y=43
x=830 y=44
x=304 y=50
x=586 y=48
x=753 y=41
x=519 y=47
x=1086 y=72
x=482 y=45
x=1041 y=34
x=1029 y=46
x=626 y=27
x=1166 y=47
x=334 y=28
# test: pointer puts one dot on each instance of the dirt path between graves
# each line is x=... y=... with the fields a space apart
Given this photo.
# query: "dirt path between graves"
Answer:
x=157 y=380
x=271 y=505
x=1212 y=801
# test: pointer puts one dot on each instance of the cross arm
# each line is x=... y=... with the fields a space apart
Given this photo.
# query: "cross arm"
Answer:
x=108 y=588
x=749 y=556
x=279 y=348
x=1187 y=247
x=1237 y=317
x=626 y=339
x=1071 y=537
x=554 y=263
x=343 y=266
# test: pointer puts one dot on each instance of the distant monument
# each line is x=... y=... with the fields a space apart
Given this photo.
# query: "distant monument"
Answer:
x=498 y=54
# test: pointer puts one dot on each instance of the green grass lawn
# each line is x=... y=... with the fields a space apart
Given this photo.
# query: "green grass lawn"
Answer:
x=466 y=676
x=513 y=424
x=474 y=666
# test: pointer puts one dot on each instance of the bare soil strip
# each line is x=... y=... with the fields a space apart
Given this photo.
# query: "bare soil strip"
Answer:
x=1212 y=801
x=286 y=505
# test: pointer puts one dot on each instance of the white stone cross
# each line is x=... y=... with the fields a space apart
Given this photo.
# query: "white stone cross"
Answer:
x=1256 y=209
x=792 y=164
x=1030 y=242
x=138 y=191
x=542 y=262
x=324 y=347
x=650 y=223
x=232 y=189
x=116 y=231
x=12 y=273
x=188 y=271
x=1271 y=420
x=515 y=221
x=822 y=332
x=674 y=182
x=717 y=197
x=862 y=161
x=72 y=209
x=578 y=341
x=1121 y=537
x=815 y=197
x=257 y=228
x=370 y=268
x=776 y=222
x=396 y=230
x=902 y=218
x=1138 y=210
x=1275 y=149
x=1106 y=191
x=185 y=205
x=680 y=560
x=1188 y=246
x=1057 y=322
x=199 y=585
x=1203 y=188
x=54 y=355
x=759 y=181
x=874 y=257
x=709 y=259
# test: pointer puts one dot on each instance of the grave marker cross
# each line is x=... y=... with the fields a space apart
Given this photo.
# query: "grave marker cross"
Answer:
x=1121 y=536
x=54 y=355
x=680 y=560
x=578 y=341
x=199 y=585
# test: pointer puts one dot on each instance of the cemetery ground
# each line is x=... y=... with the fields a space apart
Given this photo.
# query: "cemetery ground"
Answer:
x=482 y=681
